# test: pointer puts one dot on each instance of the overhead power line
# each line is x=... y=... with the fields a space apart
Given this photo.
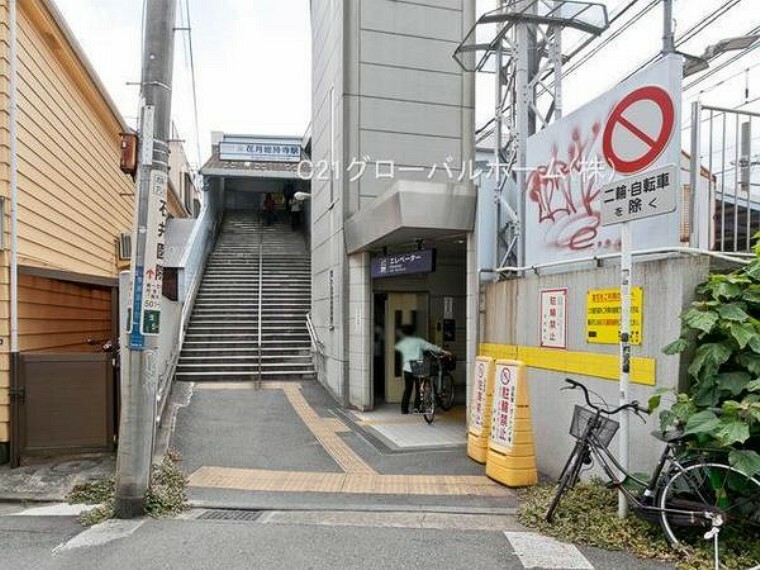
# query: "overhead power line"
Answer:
x=696 y=29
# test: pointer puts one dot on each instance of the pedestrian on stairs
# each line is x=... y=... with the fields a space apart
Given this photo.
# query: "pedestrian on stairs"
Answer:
x=269 y=213
x=296 y=206
x=412 y=348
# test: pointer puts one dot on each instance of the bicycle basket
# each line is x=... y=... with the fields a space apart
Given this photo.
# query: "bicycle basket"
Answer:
x=605 y=429
x=420 y=368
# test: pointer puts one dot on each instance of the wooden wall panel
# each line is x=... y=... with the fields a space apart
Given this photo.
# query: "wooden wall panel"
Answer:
x=55 y=316
x=73 y=199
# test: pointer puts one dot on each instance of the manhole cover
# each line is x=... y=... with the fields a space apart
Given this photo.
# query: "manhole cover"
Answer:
x=229 y=515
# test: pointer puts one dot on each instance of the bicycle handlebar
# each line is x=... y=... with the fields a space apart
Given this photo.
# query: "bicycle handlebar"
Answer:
x=631 y=406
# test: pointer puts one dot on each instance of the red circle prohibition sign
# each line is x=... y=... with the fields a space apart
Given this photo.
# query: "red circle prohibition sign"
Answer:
x=654 y=146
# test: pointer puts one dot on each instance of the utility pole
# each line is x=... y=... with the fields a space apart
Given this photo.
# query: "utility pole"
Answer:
x=668 y=35
x=139 y=377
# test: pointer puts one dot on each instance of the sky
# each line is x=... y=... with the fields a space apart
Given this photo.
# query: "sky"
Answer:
x=253 y=61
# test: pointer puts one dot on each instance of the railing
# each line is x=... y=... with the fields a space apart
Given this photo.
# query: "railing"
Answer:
x=317 y=348
x=261 y=296
x=725 y=214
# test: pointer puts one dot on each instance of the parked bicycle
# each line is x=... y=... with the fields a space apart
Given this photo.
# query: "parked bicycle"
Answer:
x=435 y=383
x=693 y=494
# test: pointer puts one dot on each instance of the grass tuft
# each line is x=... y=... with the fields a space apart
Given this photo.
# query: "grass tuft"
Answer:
x=587 y=515
x=165 y=498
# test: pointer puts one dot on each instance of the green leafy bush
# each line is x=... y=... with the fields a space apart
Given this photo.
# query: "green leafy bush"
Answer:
x=721 y=407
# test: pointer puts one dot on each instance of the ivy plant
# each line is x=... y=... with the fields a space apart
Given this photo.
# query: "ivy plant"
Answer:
x=721 y=406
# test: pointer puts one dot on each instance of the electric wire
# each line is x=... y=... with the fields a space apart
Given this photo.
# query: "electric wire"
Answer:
x=194 y=84
x=696 y=29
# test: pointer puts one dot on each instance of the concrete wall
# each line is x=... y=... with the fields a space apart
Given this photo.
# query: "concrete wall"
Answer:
x=385 y=88
x=512 y=317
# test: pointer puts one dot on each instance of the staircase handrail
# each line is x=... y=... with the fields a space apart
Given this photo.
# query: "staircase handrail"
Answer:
x=316 y=344
x=260 y=303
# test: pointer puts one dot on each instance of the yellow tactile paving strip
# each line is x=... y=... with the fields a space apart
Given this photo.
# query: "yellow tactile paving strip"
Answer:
x=326 y=434
x=357 y=477
x=310 y=482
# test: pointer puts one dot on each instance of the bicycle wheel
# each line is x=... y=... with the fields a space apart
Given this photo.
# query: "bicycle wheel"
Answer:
x=446 y=395
x=428 y=400
x=569 y=477
x=704 y=490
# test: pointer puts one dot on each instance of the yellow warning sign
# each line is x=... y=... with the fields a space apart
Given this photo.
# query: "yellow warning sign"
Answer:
x=603 y=315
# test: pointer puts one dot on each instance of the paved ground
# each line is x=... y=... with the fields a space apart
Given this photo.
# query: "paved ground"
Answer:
x=280 y=479
x=287 y=445
x=291 y=540
x=51 y=480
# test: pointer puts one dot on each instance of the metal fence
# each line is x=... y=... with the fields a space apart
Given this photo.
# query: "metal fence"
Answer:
x=725 y=155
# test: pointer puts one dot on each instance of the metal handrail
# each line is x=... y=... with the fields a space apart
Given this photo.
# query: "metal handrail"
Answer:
x=260 y=303
x=316 y=344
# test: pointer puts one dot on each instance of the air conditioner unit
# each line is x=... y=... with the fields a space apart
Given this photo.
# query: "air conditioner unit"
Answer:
x=124 y=246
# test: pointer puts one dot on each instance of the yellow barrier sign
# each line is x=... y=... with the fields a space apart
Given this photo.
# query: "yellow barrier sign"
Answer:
x=480 y=409
x=603 y=308
x=511 y=458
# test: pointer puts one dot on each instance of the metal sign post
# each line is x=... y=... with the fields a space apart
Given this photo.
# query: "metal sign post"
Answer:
x=626 y=270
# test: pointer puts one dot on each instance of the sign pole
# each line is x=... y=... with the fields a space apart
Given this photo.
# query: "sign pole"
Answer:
x=139 y=378
x=626 y=270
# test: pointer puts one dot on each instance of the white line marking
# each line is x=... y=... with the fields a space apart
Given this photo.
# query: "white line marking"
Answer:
x=57 y=510
x=100 y=534
x=537 y=551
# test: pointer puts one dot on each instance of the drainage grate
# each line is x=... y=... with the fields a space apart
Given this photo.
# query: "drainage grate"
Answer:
x=229 y=515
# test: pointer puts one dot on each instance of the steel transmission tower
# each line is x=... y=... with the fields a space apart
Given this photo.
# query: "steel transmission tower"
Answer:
x=521 y=43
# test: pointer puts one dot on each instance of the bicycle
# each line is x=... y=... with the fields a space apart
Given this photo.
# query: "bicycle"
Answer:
x=444 y=381
x=423 y=371
x=691 y=495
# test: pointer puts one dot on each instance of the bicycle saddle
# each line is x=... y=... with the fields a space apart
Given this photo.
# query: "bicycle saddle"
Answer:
x=670 y=436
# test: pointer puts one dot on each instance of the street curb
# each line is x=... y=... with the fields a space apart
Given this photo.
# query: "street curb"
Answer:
x=510 y=511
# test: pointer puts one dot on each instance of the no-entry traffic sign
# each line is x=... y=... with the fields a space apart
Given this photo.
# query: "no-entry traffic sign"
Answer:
x=639 y=129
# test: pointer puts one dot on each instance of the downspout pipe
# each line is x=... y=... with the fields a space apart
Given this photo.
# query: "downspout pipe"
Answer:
x=13 y=144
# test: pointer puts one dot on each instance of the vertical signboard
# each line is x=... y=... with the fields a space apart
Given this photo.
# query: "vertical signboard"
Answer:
x=153 y=273
x=631 y=128
x=603 y=310
x=504 y=408
x=554 y=318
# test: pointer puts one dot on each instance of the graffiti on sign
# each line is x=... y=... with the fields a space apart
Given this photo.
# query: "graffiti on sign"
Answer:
x=603 y=307
x=631 y=128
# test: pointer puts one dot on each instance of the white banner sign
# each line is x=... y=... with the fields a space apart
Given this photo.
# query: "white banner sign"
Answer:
x=554 y=318
x=504 y=407
x=631 y=129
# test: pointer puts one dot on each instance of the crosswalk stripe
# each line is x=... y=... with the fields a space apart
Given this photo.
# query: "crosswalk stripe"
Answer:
x=537 y=551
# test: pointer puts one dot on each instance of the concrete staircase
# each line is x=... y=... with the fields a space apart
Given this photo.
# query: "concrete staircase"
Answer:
x=222 y=338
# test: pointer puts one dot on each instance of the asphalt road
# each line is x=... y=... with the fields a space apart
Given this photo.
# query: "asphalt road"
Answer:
x=57 y=543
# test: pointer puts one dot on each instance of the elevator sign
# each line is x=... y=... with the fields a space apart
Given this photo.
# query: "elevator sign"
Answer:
x=410 y=263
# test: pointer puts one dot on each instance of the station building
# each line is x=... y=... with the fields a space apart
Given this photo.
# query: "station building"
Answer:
x=393 y=205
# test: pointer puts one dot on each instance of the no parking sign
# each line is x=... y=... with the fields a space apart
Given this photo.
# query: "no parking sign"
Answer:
x=632 y=130
x=639 y=129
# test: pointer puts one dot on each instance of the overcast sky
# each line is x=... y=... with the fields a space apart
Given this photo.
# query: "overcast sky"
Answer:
x=253 y=63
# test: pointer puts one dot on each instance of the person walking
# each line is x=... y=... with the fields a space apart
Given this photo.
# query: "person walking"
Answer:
x=296 y=206
x=269 y=206
x=412 y=348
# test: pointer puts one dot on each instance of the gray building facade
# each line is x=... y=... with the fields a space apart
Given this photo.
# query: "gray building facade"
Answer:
x=392 y=140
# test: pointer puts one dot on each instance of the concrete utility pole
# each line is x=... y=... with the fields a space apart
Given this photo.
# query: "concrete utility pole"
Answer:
x=668 y=35
x=140 y=346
